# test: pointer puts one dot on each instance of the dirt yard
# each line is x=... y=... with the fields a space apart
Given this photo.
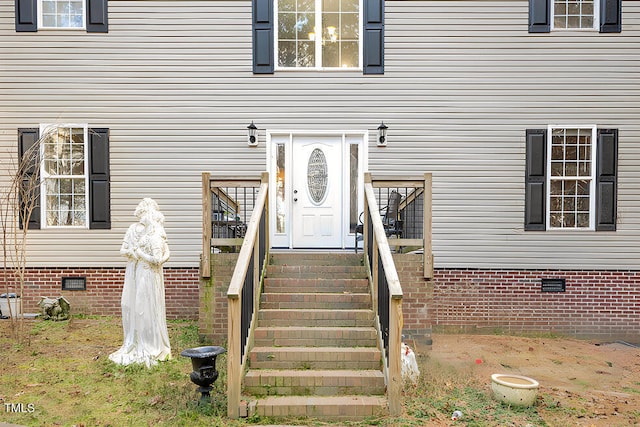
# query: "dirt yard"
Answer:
x=582 y=383
x=595 y=383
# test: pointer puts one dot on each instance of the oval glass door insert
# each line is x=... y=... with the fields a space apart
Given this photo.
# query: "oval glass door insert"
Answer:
x=317 y=176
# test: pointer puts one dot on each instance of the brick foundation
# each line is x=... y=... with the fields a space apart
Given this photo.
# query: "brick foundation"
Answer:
x=104 y=290
x=595 y=304
x=213 y=298
x=417 y=297
x=599 y=304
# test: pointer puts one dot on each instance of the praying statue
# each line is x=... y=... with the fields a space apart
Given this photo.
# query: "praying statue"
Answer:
x=146 y=338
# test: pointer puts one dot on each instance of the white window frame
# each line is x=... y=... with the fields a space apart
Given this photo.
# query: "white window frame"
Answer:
x=44 y=129
x=318 y=43
x=596 y=18
x=41 y=19
x=591 y=177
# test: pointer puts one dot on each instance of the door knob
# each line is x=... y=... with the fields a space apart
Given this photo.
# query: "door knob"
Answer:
x=295 y=200
x=295 y=191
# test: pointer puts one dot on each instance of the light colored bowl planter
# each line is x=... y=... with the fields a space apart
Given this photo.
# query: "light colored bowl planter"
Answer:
x=514 y=389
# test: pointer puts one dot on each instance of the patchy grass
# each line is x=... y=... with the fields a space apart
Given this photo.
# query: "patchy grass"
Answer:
x=442 y=389
x=61 y=376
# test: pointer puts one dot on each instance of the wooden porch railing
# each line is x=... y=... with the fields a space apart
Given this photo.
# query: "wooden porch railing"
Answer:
x=414 y=213
x=227 y=206
x=243 y=295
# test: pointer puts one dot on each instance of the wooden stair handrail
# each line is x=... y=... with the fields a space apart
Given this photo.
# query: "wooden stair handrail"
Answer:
x=236 y=362
x=382 y=250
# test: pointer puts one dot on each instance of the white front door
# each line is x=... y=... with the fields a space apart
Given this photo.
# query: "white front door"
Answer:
x=317 y=184
x=315 y=188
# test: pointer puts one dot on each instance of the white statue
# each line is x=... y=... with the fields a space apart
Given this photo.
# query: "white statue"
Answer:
x=146 y=338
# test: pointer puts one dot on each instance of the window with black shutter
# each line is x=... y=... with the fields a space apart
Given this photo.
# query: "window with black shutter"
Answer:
x=32 y=15
x=316 y=34
x=571 y=178
x=53 y=159
x=551 y=15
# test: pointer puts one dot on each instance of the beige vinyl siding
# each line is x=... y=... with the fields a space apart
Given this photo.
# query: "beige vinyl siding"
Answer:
x=463 y=80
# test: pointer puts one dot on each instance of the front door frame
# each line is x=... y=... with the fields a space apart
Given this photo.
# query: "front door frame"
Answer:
x=283 y=238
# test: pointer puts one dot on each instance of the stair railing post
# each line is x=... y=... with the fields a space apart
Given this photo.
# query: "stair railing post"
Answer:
x=427 y=254
x=395 y=366
x=234 y=362
x=264 y=178
x=205 y=258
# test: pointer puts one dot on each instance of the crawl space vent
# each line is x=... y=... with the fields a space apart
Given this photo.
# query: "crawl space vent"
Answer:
x=553 y=285
x=74 y=283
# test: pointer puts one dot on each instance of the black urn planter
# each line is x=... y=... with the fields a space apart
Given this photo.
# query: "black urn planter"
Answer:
x=203 y=361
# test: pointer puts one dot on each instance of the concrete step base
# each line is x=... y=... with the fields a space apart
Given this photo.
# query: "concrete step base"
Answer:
x=301 y=336
x=315 y=317
x=315 y=271
x=315 y=358
x=333 y=300
x=328 y=408
x=316 y=285
x=290 y=382
x=310 y=258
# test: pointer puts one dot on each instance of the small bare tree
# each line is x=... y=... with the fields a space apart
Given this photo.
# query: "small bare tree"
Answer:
x=19 y=201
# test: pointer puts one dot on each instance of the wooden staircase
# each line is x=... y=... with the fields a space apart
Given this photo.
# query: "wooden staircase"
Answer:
x=315 y=352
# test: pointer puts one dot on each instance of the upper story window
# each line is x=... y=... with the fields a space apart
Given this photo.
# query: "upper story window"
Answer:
x=318 y=33
x=89 y=15
x=61 y=14
x=64 y=175
x=575 y=14
x=565 y=15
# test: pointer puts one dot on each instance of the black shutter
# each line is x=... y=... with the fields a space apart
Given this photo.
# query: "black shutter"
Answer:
x=373 y=37
x=29 y=164
x=97 y=16
x=610 y=16
x=606 y=180
x=27 y=15
x=539 y=16
x=263 y=57
x=99 y=185
x=535 y=180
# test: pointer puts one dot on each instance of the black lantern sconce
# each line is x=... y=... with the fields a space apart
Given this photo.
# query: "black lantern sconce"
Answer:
x=252 y=137
x=382 y=135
